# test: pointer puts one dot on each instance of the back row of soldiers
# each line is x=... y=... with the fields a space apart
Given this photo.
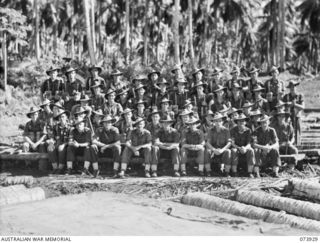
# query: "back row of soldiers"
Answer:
x=206 y=119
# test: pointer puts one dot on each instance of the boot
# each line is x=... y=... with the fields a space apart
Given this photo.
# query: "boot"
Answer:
x=96 y=174
x=201 y=173
x=121 y=174
x=176 y=174
x=115 y=174
x=147 y=174
x=69 y=171
x=154 y=174
x=85 y=172
x=183 y=173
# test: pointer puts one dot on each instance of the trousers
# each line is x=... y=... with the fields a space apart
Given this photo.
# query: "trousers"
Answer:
x=157 y=153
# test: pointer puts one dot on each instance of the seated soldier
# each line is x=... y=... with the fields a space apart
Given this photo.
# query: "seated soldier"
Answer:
x=97 y=98
x=79 y=145
x=73 y=84
x=215 y=81
x=192 y=145
x=125 y=124
x=200 y=99
x=138 y=141
x=188 y=106
x=116 y=83
x=258 y=101
x=207 y=123
x=140 y=110
x=266 y=145
x=219 y=100
x=57 y=145
x=73 y=101
x=241 y=146
x=163 y=92
x=235 y=72
x=34 y=135
x=181 y=124
x=218 y=144
x=95 y=78
x=165 y=109
x=254 y=73
x=141 y=95
x=166 y=142
x=154 y=126
x=246 y=108
x=107 y=139
x=123 y=99
x=252 y=122
x=180 y=95
x=285 y=135
x=96 y=119
x=236 y=99
x=197 y=76
x=232 y=115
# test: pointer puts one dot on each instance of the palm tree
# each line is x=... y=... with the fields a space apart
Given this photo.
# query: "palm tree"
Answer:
x=88 y=30
x=176 y=42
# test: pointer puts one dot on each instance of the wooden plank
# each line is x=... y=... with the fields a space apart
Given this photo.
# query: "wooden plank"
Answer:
x=24 y=156
x=292 y=157
x=310 y=152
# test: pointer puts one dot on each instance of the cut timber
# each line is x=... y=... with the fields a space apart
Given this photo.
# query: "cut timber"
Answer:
x=310 y=152
x=252 y=212
x=19 y=193
x=15 y=180
x=292 y=206
x=24 y=156
x=292 y=158
x=304 y=188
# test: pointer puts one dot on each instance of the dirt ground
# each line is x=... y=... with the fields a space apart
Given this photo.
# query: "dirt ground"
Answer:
x=106 y=213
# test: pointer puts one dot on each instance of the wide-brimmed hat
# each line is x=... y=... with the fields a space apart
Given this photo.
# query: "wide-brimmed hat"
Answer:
x=45 y=102
x=216 y=70
x=236 y=85
x=200 y=83
x=138 y=120
x=98 y=112
x=281 y=112
x=219 y=88
x=293 y=83
x=281 y=104
x=241 y=117
x=76 y=122
x=125 y=90
x=181 y=80
x=231 y=111
x=52 y=68
x=247 y=104
x=95 y=67
x=234 y=70
x=217 y=116
x=140 y=102
x=273 y=69
x=70 y=69
x=209 y=113
x=152 y=71
x=264 y=118
x=58 y=104
x=167 y=119
x=56 y=117
x=140 y=77
x=192 y=120
x=253 y=70
x=96 y=85
x=185 y=113
x=80 y=110
x=116 y=72
x=197 y=70
x=224 y=109
x=140 y=86
x=125 y=111
x=163 y=81
x=109 y=91
x=176 y=67
x=258 y=88
x=33 y=110
x=154 y=111
x=256 y=112
x=85 y=98
x=187 y=102
x=165 y=100
x=108 y=118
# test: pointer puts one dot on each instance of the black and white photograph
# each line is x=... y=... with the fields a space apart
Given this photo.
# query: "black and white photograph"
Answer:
x=159 y=118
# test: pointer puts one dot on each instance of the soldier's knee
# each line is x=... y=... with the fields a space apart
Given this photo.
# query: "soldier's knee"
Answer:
x=250 y=151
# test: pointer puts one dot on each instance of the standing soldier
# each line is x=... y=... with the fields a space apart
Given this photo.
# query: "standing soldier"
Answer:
x=97 y=98
x=73 y=84
x=97 y=115
x=246 y=108
x=297 y=105
x=166 y=143
x=141 y=95
x=123 y=99
x=153 y=89
x=285 y=135
x=116 y=83
x=235 y=72
x=197 y=76
x=163 y=92
x=192 y=145
x=241 y=147
x=216 y=80
x=219 y=100
x=107 y=140
x=95 y=78
x=79 y=145
x=111 y=107
x=138 y=142
x=274 y=85
x=258 y=100
x=57 y=145
x=232 y=115
x=46 y=116
x=140 y=110
x=266 y=145
x=54 y=87
x=137 y=82
x=34 y=135
x=236 y=99
x=199 y=99
x=177 y=72
x=180 y=95
x=218 y=144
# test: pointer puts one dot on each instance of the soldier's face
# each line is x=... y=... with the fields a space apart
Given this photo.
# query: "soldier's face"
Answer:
x=81 y=116
x=163 y=87
x=292 y=89
x=193 y=126
x=96 y=90
x=140 y=107
x=56 y=110
x=97 y=118
x=94 y=72
x=111 y=97
x=246 y=110
x=218 y=123
x=166 y=125
x=154 y=76
x=141 y=125
x=185 y=118
x=128 y=116
x=141 y=92
x=107 y=125
x=84 y=103
x=34 y=116
x=220 y=94
x=199 y=75
x=241 y=124
x=281 y=119
x=80 y=126
x=72 y=75
x=217 y=77
x=180 y=86
x=165 y=106
x=116 y=78
x=47 y=108
x=155 y=118
x=270 y=96
x=53 y=74
x=124 y=95
x=200 y=89
x=236 y=92
x=265 y=124
x=63 y=118
x=255 y=118
x=257 y=94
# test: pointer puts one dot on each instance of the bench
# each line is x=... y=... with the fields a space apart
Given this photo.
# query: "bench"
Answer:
x=291 y=158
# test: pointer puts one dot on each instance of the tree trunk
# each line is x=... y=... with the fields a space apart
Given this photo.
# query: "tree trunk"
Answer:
x=37 y=34
x=205 y=33
x=72 y=32
x=145 y=35
x=5 y=59
x=176 y=18
x=93 y=29
x=127 y=49
x=191 y=33
x=55 y=28
x=274 y=33
x=88 y=30
x=282 y=47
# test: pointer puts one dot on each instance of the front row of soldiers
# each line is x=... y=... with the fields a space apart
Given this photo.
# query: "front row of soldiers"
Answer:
x=224 y=141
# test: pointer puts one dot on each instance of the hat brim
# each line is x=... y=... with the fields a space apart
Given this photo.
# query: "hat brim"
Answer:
x=64 y=112
x=71 y=70
x=112 y=121
x=51 y=70
x=123 y=91
x=149 y=74
x=30 y=113
x=217 y=90
x=137 y=122
x=258 y=90
x=45 y=104
x=116 y=74
x=98 y=68
x=197 y=71
x=78 y=122
x=81 y=112
x=254 y=71
x=292 y=85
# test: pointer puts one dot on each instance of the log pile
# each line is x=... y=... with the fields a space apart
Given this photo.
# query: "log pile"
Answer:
x=15 y=180
x=306 y=189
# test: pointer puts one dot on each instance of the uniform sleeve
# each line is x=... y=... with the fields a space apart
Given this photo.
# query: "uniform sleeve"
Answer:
x=89 y=136
x=201 y=137
x=116 y=135
x=148 y=137
x=129 y=136
x=176 y=137
x=71 y=134
x=274 y=137
x=249 y=136
x=26 y=129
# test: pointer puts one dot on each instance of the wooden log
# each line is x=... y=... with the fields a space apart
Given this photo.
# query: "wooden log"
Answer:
x=304 y=188
x=249 y=211
x=291 y=158
x=24 y=156
x=19 y=193
x=15 y=180
x=292 y=206
x=310 y=152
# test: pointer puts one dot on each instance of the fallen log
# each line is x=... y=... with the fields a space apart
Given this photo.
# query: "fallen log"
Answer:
x=15 y=180
x=24 y=156
x=304 y=188
x=292 y=206
x=248 y=211
x=19 y=193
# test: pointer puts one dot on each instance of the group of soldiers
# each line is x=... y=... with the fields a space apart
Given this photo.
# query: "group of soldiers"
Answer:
x=223 y=125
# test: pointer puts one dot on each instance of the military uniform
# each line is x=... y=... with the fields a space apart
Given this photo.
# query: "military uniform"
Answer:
x=153 y=129
x=195 y=137
x=274 y=86
x=97 y=101
x=73 y=87
x=34 y=131
x=179 y=98
x=92 y=81
x=113 y=110
x=53 y=89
